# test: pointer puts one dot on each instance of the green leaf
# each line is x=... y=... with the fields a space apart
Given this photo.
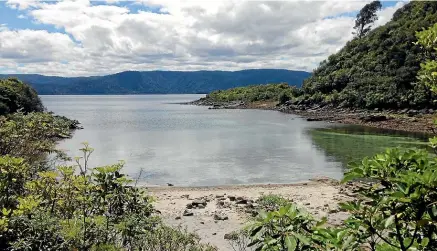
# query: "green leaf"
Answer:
x=302 y=238
x=389 y=221
x=351 y=176
x=290 y=242
x=255 y=231
x=425 y=242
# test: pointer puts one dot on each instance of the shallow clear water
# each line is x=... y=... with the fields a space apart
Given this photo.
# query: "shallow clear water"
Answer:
x=190 y=145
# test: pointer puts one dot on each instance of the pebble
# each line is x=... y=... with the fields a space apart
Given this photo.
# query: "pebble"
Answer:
x=218 y=216
x=188 y=213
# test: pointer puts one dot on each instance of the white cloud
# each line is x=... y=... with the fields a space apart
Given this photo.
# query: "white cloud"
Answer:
x=185 y=35
x=3 y=27
x=386 y=14
x=22 y=4
x=30 y=46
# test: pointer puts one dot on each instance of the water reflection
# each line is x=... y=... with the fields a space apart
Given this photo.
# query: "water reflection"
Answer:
x=347 y=143
x=190 y=145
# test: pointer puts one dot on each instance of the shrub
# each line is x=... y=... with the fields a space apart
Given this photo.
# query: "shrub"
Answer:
x=76 y=208
x=33 y=135
x=397 y=212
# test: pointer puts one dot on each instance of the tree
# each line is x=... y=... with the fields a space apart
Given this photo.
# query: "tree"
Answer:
x=17 y=96
x=428 y=70
x=366 y=17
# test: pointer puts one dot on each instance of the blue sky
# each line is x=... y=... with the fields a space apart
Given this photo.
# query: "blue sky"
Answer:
x=89 y=38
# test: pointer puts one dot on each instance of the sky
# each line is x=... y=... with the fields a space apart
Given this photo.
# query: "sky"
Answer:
x=84 y=38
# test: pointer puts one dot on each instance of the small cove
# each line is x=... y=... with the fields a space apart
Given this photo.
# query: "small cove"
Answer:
x=193 y=146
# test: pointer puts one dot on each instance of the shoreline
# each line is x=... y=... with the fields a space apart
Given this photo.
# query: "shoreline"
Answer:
x=412 y=121
x=221 y=210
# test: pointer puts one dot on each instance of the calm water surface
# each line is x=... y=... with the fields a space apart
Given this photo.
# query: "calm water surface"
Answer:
x=191 y=145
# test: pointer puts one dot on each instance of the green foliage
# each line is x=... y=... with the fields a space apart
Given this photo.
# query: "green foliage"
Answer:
x=428 y=71
x=397 y=212
x=33 y=135
x=378 y=70
x=288 y=228
x=400 y=207
x=17 y=96
x=78 y=208
x=269 y=92
x=366 y=17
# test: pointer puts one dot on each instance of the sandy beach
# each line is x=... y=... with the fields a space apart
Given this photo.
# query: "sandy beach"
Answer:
x=223 y=209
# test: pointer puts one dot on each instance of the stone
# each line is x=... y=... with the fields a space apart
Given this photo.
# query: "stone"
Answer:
x=249 y=205
x=218 y=216
x=188 y=213
x=170 y=184
x=202 y=222
x=199 y=202
x=412 y=113
x=177 y=218
x=333 y=211
x=307 y=204
x=314 y=119
x=214 y=233
x=201 y=206
x=241 y=200
x=185 y=196
x=189 y=206
x=230 y=236
x=219 y=196
x=373 y=118
x=231 y=198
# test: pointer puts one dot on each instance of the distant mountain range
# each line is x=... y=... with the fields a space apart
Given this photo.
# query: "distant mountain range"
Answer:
x=159 y=82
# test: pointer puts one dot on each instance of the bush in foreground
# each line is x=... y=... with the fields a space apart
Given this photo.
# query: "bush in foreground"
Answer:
x=76 y=208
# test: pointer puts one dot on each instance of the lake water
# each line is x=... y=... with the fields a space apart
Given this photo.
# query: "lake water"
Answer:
x=193 y=146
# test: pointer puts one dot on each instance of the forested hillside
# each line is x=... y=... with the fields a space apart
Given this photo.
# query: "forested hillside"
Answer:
x=378 y=70
x=161 y=82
